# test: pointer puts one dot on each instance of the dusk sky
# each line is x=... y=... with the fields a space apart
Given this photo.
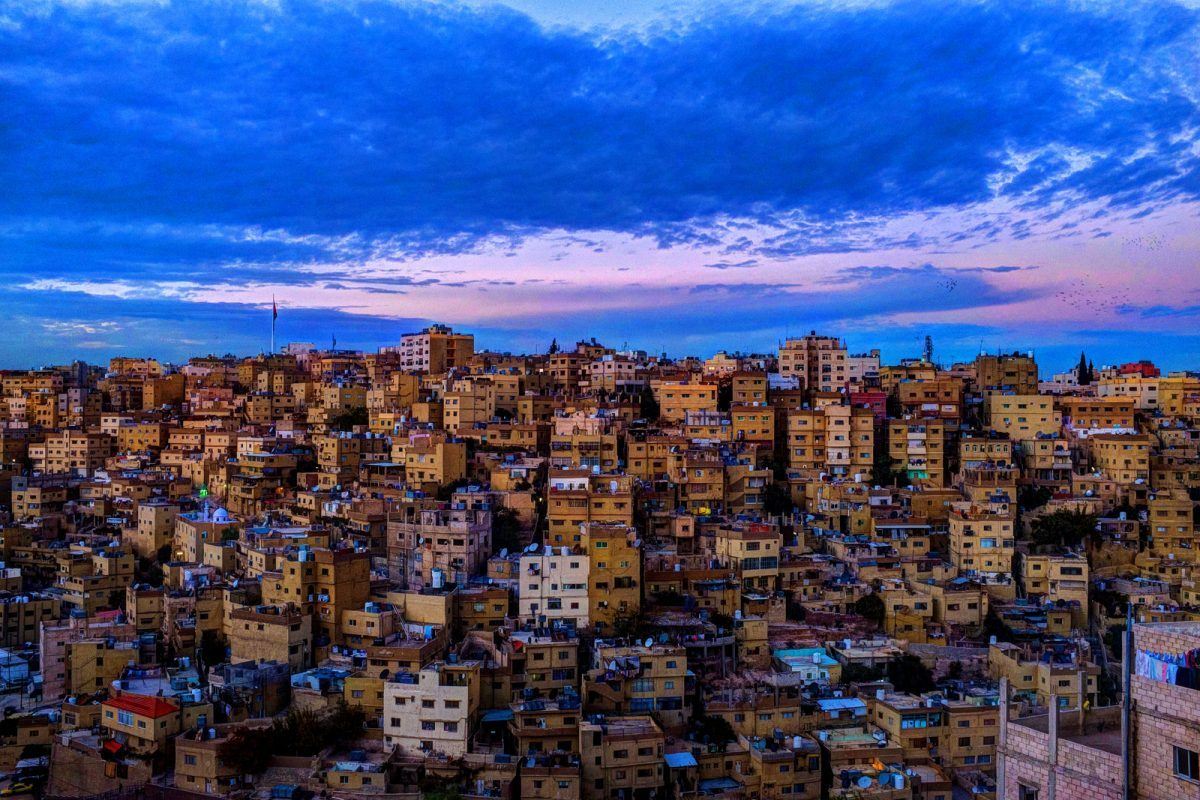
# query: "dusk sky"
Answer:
x=686 y=176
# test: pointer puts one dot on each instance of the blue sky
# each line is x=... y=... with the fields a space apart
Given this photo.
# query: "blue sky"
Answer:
x=684 y=176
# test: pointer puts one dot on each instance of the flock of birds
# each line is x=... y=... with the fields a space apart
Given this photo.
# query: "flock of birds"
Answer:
x=1090 y=295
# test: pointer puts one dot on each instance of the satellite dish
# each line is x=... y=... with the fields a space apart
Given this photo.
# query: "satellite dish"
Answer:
x=503 y=552
x=650 y=642
x=864 y=782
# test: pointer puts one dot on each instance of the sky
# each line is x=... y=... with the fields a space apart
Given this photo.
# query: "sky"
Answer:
x=684 y=176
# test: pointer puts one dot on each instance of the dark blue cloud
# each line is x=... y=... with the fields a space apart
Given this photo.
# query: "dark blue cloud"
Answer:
x=436 y=124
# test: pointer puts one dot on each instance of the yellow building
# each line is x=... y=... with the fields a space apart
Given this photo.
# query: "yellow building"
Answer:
x=615 y=573
x=981 y=541
x=621 y=757
x=677 y=398
x=435 y=710
x=269 y=633
x=1123 y=458
x=917 y=448
x=997 y=374
x=836 y=440
x=577 y=497
x=640 y=680
x=1060 y=577
x=142 y=724
x=819 y=362
x=1023 y=416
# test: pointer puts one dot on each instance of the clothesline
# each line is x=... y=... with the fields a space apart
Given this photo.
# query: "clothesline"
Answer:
x=1179 y=669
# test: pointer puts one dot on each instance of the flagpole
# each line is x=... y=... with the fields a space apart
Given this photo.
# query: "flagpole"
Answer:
x=274 y=316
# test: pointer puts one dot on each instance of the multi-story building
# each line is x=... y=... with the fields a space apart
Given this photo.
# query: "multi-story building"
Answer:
x=641 y=680
x=1125 y=458
x=270 y=633
x=820 y=362
x=837 y=440
x=433 y=547
x=981 y=541
x=1021 y=416
x=435 y=349
x=621 y=757
x=553 y=586
x=614 y=572
x=917 y=448
x=434 y=710
x=579 y=497
x=1011 y=374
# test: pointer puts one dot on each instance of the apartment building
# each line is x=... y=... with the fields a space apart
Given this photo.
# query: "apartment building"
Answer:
x=917 y=448
x=435 y=349
x=622 y=757
x=553 y=587
x=981 y=541
x=821 y=363
x=1023 y=416
x=676 y=399
x=614 y=572
x=837 y=440
x=579 y=497
x=1006 y=374
x=434 y=710
x=1125 y=458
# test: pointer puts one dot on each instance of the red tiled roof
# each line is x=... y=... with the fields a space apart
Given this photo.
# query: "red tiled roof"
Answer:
x=153 y=707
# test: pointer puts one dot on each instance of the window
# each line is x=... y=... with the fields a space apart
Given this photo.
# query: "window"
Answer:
x=1026 y=792
x=1187 y=764
x=124 y=717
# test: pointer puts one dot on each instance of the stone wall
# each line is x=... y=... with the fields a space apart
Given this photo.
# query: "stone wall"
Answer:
x=1164 y=716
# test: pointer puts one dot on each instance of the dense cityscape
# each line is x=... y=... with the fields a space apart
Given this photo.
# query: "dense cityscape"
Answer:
x=585 y=573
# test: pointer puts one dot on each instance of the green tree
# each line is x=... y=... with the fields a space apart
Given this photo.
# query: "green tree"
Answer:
x=248 y=750
x=1065 y=528
x=724 y=396
x=553 y=346
x=350 y=418
x=908 y=674
x=777 y=500
x=648 y=405
x=506 y=530
x=1033 y=497
x=212 y=648
x=871 y=606
x=1083 y=374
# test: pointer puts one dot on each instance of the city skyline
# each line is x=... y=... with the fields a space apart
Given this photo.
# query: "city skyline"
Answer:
x=681 y=177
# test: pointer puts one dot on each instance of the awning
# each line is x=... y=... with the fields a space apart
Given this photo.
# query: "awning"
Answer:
x=681 y=760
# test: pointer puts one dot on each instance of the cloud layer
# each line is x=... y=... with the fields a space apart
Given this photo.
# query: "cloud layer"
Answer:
x=368 y=155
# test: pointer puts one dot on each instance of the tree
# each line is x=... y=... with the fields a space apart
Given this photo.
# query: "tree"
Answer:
x=724 y=396
x=212 y=648
x=350 y=418
x=648 y=405
x=1083 y=375
x=871 y=606
x=506 y=530
x=248 y=750
x=553 y=346
x=1033 y=497
x=777 y=500
x=1066 y=528
x=884 y=469
x=909 y=674
x=116 y=598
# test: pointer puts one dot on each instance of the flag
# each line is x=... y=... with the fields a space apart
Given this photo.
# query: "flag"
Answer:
x=274 y=309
